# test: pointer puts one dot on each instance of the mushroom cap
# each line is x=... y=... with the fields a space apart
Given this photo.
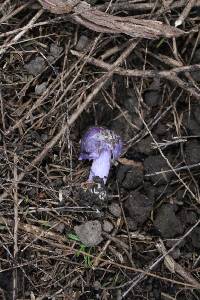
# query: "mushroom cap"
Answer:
x=97 y=139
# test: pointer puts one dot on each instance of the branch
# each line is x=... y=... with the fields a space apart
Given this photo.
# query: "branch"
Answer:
x=100 y=21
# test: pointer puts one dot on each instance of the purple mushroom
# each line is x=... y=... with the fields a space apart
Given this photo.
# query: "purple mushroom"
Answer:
x=102 y=146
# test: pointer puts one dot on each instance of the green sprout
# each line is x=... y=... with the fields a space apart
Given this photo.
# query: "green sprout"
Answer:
x=83 y=248
x=160 y=43
x=26 y=199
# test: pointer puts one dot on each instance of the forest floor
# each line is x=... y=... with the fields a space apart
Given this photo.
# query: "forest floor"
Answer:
x=58 y=77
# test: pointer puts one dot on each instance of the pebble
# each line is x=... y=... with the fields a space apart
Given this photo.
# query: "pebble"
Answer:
x=115 y=209
x=138 y=206
x=130 y=177
x=107 y=226
x=40 y=88
x=35 y=66
x=168 y=224
x=89 y=233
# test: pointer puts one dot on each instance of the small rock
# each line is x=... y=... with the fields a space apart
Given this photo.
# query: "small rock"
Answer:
x=150 y=190
x=107 y=226
x=35 y=66
x=83 y=43
x=115 y=209
x=156 y=163
x=167 y=222
x=129 y=177
x=60 y=227
x=89 y=233
x=152 y=98
x=40 y=88
x=138 y=207
x=192 y=152
x=55 y=50
x=97 y=285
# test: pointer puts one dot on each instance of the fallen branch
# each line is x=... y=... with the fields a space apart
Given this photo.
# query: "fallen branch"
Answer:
x=100 y=21
x=170 y=75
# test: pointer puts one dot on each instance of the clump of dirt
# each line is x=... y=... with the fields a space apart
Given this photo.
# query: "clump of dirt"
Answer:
x=138 y=207
x=167 y=222
x=115 y=209
x=130 y=177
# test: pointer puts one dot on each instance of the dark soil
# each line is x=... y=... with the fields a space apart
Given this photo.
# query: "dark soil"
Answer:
x=137 y=237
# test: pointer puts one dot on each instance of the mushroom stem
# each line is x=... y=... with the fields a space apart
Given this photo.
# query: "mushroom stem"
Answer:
x=101 y=166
